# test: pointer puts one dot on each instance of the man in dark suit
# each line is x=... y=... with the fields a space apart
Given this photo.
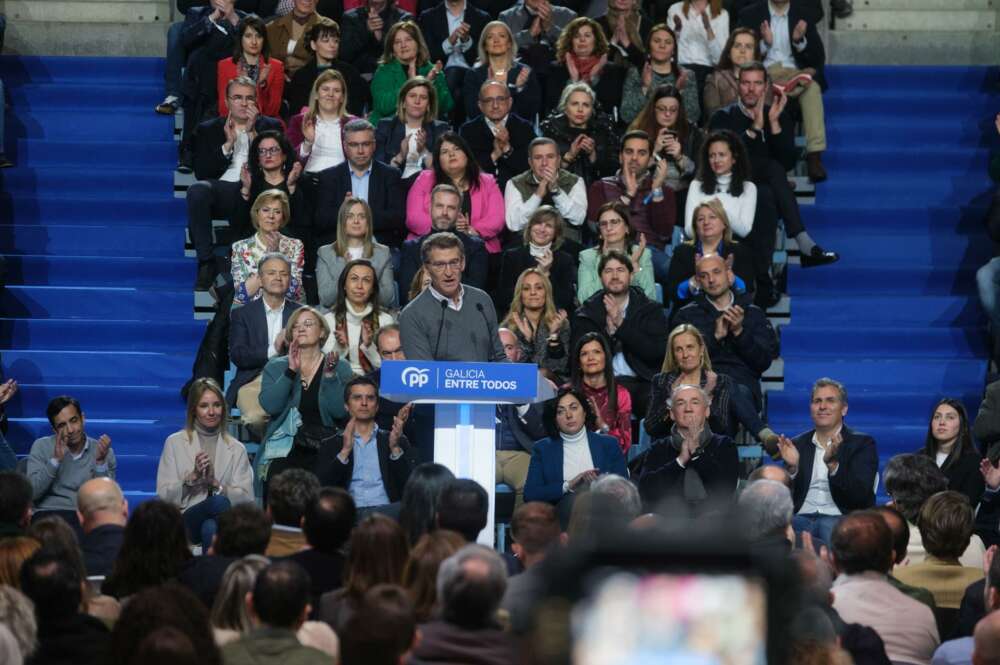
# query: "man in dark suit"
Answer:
x=257 y=334
x=833 y=467
x=103 y=512
x=446 y=206
x=452 y=29
x=419 y=427
x=518 y=427
x=327 y=524
x=221 y=148
x=361 y=175
x=498 y=138
x=370 y=463
x=363 y=32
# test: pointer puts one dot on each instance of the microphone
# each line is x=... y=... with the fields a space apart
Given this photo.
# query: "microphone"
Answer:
x=444 y=307
x=489 y=331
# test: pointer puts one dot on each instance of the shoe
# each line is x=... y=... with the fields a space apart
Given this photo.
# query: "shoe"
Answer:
x=814 y=167
x=842 y=8
x=206 y=275
x=773 y=298
x=168 y=106
x=4 y=162
x=185 y=162
x=818 y=257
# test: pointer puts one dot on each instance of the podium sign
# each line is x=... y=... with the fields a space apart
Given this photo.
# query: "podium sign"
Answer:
x=465 y=396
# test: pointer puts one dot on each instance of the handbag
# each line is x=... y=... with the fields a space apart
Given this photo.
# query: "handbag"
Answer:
x=313 y=437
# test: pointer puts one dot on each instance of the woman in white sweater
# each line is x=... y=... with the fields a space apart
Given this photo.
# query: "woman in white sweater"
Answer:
x=723 y=174
x=203 y=470
x=356 y=317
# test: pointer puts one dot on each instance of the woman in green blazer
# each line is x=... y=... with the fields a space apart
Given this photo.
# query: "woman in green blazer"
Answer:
x=405 y=56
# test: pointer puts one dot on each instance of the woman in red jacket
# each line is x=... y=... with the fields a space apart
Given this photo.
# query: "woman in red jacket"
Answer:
x=252 y=59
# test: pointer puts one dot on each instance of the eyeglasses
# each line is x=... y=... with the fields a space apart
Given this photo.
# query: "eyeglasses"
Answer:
x=608 y=223
x=439 y=266
x=491 y=101
x=267 y=152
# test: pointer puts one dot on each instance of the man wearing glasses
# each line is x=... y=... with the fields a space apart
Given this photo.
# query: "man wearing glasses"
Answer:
x=494 y=135
x=449 y=320
x=361 y=175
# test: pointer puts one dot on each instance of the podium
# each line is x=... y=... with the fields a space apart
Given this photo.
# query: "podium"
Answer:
x=465 y=396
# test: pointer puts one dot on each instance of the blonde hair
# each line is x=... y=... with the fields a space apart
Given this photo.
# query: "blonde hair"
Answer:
x=432 y=106
x=715 y=205
x=632 y=19
x=297 y=314
x=321 y=80
x=416 y=284
x=340 y=244
x=670 y=363
x=197 y=390
x=517 y=306
x=579 y=86
x=565 y=43
x=413 y=30
x=267 y=196
x=481 y=49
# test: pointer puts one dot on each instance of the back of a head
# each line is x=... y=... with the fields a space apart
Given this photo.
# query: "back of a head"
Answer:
x=946 y=524
x=99 y=495
x=381 y=630
x=986 y=649
x=153 y=549
x=770 y=472
x=281 y=594
x=463 y=507
x=56 y=535
x=376 y=555
x=594 y=516
x=243 y=529
x=765 y=509
x=15 y=497
x=418 y=508
x=229 y=611
x=156 y=608
x=289 y=493
x=471 y=584
x=17 y=613
x=911 y=479
x=329 y=519
x=622 y=489
x=166 y=646
x=862 y=542
x=421 y=571
x=535 y=527
x=13 y=553
x=900 y=531
x=53 y=585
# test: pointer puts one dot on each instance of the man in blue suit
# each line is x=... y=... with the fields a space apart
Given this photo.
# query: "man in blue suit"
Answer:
x=256 y=334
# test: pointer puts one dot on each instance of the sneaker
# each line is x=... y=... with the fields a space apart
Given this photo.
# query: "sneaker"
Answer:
x=168 y=106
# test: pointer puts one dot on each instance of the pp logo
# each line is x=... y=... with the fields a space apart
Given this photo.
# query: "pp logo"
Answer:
x=415 y=378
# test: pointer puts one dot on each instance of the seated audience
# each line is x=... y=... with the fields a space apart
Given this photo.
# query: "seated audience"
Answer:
x=289 y=35
x=695 y=465
x=496 y=135
x=654 y=70
x=545 y=184
x=627 y=29
x=541 y=331
x=497 y=61
x=861 y=547
x=593 y=374
x=676 y=138
x=316 y=132
x=362 y=177
x=355 y=241
x=987 y=519
x=272 y=166
x=383 y=631
x=405 y=56
x=289 y=494
x=701 y=29
x=203 y=470
x=17 y=614
x=616 y=234
x=326 y=524
x=765 y=510
x=377 y=552
x=405 y=138
x=582 y=57
x=270 y=213
x=356 y=317
x=986 y=428
x=322 y=47
x=534 y=533
x=741 y=341
x=482 y=211
x=839 y=480
x=627 y=320
x=419 y=427
x=257 y=334
x=541 y=250
x=584 y=133
x=154 y=550
x=453 y=28
x=307 y=381
x=8 y=460
x=537 y=26
x=164 y=624
x=230 y=617
x=900 y=541
x=421 y=571
x=16 y=504
x=14 y=551
x=950 y=445
x=252 y=59
x=686 y=363
x=363 y=30
x=722 y=86
x=471 y=584
x=418 y=508
x=103 y=513
x=981 y=598
x=60 y=463
x=572 y=456
x=221 y=149
x=463 y=507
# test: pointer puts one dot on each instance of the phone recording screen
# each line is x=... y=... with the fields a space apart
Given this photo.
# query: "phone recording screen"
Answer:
x=682 y=619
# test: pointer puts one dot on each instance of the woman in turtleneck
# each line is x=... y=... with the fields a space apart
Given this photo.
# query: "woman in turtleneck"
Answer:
x=572 y=456
x=723 y=174
x=542 y=248
x=203 y=470
x=356 y=317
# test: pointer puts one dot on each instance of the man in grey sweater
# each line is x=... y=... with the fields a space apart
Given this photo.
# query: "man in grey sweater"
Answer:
x=449 y=320
x=59 y=464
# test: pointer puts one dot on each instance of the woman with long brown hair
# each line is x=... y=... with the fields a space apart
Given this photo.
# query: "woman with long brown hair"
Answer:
x=660 y=68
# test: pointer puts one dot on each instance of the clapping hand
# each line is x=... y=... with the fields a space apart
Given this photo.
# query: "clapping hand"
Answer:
x=367 y=333
x=647 y=76
x=788 y=453
x=774 y=113
x=734 y=319
x=571 y=68
x=435 y=70
x=462 y=223
x=293 y=176
x=309 y=127
x=637 y=251
x=830 y=456
x=522 y=76
x=103 y=446
x=991 y=473
x=766 y=34
x=340 y=334
x=294 y=356
x=799 y=32
x=545 y=261
x=558 y=321
x=599 y=67
x=682 y=79
x=397 y=428
x=7 y=390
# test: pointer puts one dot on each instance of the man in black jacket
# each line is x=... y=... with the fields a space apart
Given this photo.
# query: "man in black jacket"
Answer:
x=452 y=29
x=634 y=326
x=832 y=467
x=498 y=138
x=103 y=512
x=363 y=176
x=221 y=148
x=363 y=32
x=370 y=463
x=741 y=342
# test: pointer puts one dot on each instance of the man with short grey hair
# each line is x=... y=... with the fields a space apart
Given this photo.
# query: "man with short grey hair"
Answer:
x=623 y=490
x=765 y=508
x=546 y=183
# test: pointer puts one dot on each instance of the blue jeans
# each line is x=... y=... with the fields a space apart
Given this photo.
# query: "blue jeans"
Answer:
x=988 y=279
x=200 y=520
x=742 y=405
x=661 y=264
x=820 y=526
x=175 y=60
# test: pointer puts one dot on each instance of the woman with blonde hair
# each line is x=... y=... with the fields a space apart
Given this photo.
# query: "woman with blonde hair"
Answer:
x=316 y=133
x=582 y=57
x=203 y=470
x=355 y=240
x=627 y=29
x=498 y=62
x=270 y=214
x=405 y=140
x=588 y=143
x=405 y=56
x=541 y=329
x=542 y=249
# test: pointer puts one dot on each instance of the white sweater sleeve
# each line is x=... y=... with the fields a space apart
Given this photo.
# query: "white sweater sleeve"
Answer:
x=694 y=198
x=745 y=208
x=518 y=210
x=572 y=206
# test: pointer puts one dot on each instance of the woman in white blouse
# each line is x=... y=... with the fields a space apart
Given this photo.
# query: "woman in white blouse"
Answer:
x=406 y=139
x=316 y=133
x=356 y=317
x=702 y=28
x=723 y=174
x=354 y=241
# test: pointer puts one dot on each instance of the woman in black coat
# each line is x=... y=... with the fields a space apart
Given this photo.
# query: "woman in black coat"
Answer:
x=543 y=237
x=949 y=444
x=582 y=56
x=414 y=120
x=586 y=137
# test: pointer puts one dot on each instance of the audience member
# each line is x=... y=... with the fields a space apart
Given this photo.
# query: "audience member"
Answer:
x=418 y=509
x=404 y=139
x=535 y=532
x=356 y=315
x=17 y=614
x=653 y=71
x=203 y=470
x=383 y=631
x=987 y=518
x=986 y=428
x=167 y=607
x=230 y=615
x=701 y=27
x=14 y=551
x=289 y=37
x=986 y=647
x=950 y=445
x=315 y=132
x=722 y=86
x=252 y=58
x=616 y=234
x=675 y=137
x=463 y=506
x=405 y=55
x=498 y=62
x=623 y=491
x=593 y=374
x=981 y=598
x=8 y=460
x=421 y=571
x=495 y=135
x=419 y=427
x=545 y=184
x=16 y=504
x=584 y=133
x=861 y=546
x=541 y=251
x=452 y=29
x=582 y=56
x=542 y=331
x=364 y=32
x=537 y=26
x=322 y=45
x=153 y=551
x=765 y=509
x=355 y=240
x=60 y=463
x=103 y=512
x=327 y=525
x=289 y=494
x=900 y=541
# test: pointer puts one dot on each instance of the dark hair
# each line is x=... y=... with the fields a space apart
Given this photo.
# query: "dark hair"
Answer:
x=741 y=163
x=753 y=66
x=637 y=134
x=946 y=524
x=359 y=381
x=55 y=535
x=963 y=445
x=16 y=496
x=257 y=23
x=463 y=506
x=58 y=404
x=166 y=646
x=900 y=531
x=289 y=493
x=421 y=571
x=646 y=120
x=675 y=68
x=418 y=508
x=169 y=606
x=253 y=158
x=281 y=593
x=376 y=555
x=590 y=418
x=471 y=168
x=324 y=26
x=381 y=630
x=154 y=548
x=726 y=60
x=53 y=584
x=576 y=371
x=329 y=519
x=614 y=255
x=340 y=303
x=243 y=529
x=631 y=237
x=910 y=480
x=861 y=542
x=535 y=527
x=470 y=596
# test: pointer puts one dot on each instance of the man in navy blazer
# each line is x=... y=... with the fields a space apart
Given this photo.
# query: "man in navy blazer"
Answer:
x=257 y=334
x=498 y=138
x=452 y=29
x=364 y=177
x=833 y=468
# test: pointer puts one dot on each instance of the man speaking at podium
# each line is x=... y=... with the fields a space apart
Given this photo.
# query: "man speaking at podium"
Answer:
x=449 y=320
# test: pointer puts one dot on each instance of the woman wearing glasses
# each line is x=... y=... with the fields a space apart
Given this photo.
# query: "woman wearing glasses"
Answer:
x=271 y=165
x=616 y=233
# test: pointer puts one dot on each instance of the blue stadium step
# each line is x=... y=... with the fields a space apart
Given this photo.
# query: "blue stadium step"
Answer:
x=915 y=249
x=56 y=69
x=128 y=436
x=956 y=160
x=49 y=208
x=858 y=272
x=876 y=130
x=907 y=103
x=966 y=219
x=49 y=270
x=110 y=183
x=900 y=311
x=107 y=402
x=77 y=154
x=960 y=374
x=942 y=79
x=183 y=335
x=60 y=124
x=106 y=96
x=98 y=367
x=134 y=472
x=889 y=192
x=813 y=339
x=880 y=408
x=138 y=241
x=65 y=302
